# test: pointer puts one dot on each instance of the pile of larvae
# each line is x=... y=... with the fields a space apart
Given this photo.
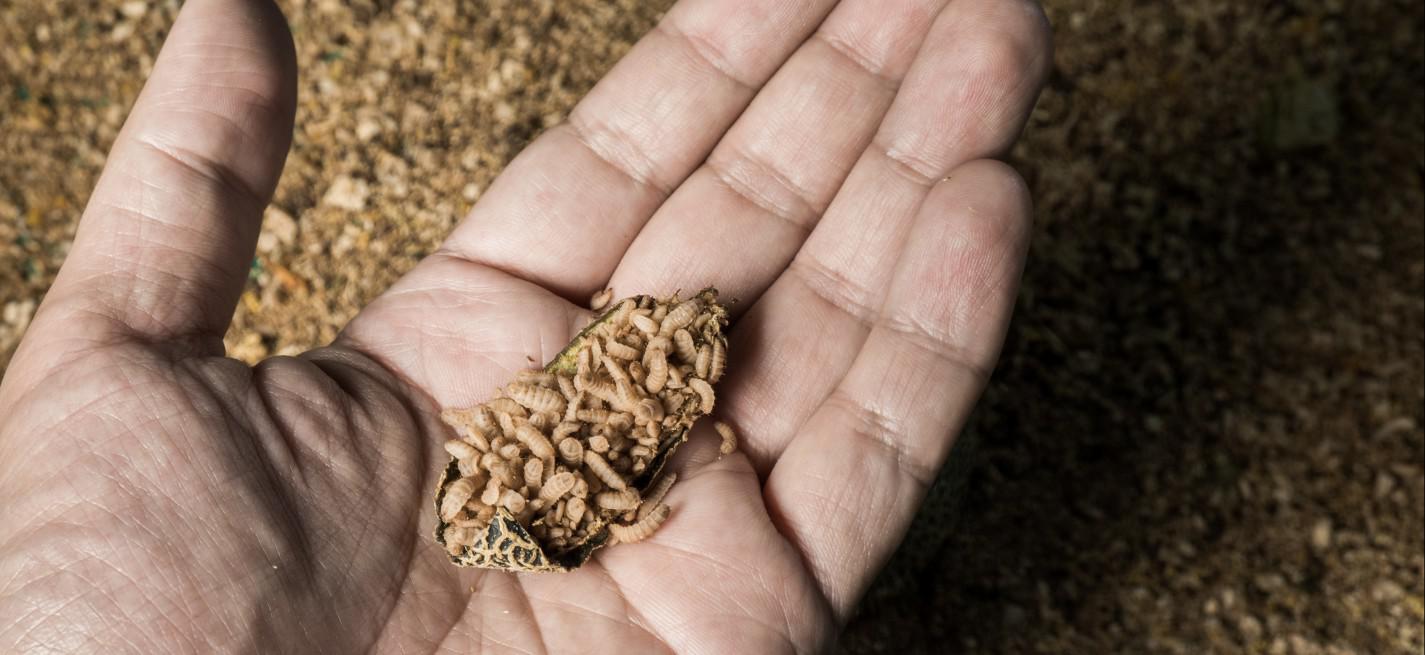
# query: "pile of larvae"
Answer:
x=566 y=459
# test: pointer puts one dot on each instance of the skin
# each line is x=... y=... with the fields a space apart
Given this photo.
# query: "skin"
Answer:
x=830 y=165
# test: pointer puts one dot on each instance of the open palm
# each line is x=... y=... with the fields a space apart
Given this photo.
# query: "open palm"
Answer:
x=824 y=163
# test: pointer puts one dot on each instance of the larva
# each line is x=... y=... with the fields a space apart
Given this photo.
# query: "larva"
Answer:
x=461 y=450
x=507 y=406
x=564 y=430
x=513 y=500
x=557 y=485
x=582 y=364
x=535 y=441
x=620 y=351
x=571 y=452
x=705 y=393
x=603 y=390
x=687 y=350
x=702 y=361
x=599 y=444
x=533 y=473
x=456 y=495
x=642 y=528
x=510 y=451
x=491 y=494
x=656 y=491
x=657 y=376
x=574 y=511
x=620 y=421
x=536 y=398
x=645 y=324
x=593 y=415
x=680 y=316
x=507 y=425
x=718 y=365
x=566 y=387
x=466 y=426
x=637 y=373
x=618 y=501
x=648 y=410
x=605 y=473
x=483 y=419
x=502 y=473
x=601 y=299
x=572 y=409
x=657 y=346
x=543 y=420
x=675 y=377
x=536 y=377
x=729 y=438
x=457 y=537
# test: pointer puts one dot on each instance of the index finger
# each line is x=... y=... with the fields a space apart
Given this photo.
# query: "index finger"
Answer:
x=566 y=209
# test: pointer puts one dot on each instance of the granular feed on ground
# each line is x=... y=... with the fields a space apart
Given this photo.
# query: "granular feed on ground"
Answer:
x=1206 y=431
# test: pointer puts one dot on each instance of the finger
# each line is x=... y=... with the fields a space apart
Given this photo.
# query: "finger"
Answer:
x=743 y=214
x=164 y=245
x=967 y=96
x=847 y=486
x=566 y=209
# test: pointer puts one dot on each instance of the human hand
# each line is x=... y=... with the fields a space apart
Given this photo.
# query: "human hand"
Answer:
x=161 y=497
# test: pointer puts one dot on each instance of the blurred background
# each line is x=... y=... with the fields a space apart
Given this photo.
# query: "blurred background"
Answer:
x=1206 y=431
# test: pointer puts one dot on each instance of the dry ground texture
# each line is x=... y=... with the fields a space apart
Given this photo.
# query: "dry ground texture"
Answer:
x=1206 y=432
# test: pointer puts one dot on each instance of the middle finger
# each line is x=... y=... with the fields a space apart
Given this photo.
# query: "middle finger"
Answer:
x=739 y=219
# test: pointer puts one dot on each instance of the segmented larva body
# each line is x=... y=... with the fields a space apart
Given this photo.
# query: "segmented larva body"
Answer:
x=574 y=511
x=702 y=361
x=464 y=422
x=645 y=324
x=456 y=495
x=618 y=501
x=461 y=450
x=687 y=350
x=543 y=420
x=718 y=365
x=705 y=393
x=601 y=299
x=680 y=317
x=642 y=528
x=656 y=491
x=536 y=377
x=621 y=351
x=648 y=410
x=566 y=387
x=601 y=470
x=535 y=441
x=534 y=473
x=513 y=500
x=558 y=484
x=508 y=406
x=729 y=438
x=536 y=398
x=571 y=452
x=657 y=376
x=456 y=537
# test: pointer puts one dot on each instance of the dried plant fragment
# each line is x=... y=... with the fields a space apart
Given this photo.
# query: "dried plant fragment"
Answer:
x=566 y=459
